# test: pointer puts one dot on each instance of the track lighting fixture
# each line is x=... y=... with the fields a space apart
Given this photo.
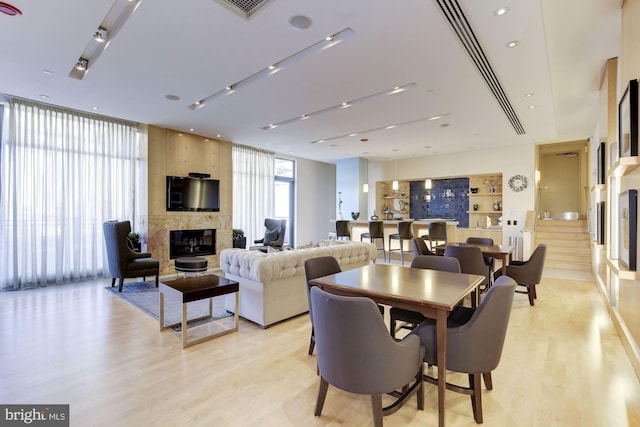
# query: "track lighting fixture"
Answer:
x=100 y=35
x=82 y=64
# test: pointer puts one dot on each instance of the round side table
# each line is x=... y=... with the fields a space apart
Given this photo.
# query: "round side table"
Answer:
x=188 y=265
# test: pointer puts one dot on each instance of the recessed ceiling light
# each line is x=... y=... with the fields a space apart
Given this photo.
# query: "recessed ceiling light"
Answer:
x=100 y=35
x=364 y=139
x=531 y=107
x=353 y=134
x=528 y=95
x=47 y=72
x=172 y=97
x=390 y=127
x=191 y=129
x=427 y=146
x=300 y=22
x=82 y=64
x=501 y=11
x=43 y=96
x=218 y=136
x=512 y=43
x=333 y=145
x=444 y=125
x=94 y=108
x=395 y=149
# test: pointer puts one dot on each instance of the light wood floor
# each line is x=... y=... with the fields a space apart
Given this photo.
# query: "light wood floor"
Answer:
x=563 y=365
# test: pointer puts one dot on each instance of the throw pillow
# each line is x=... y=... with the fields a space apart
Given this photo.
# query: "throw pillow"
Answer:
x=270 y=236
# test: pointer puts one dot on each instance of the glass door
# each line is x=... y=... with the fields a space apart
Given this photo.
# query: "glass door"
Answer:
x=285 y=196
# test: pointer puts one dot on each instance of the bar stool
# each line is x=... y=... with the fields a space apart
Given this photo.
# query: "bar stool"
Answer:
x=342 y=230
x=376 y=231
x=437 y=233
x=405 y=232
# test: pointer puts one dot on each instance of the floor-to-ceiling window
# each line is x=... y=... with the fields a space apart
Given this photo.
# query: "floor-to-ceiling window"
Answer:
x=285 y=181
x=63 y=174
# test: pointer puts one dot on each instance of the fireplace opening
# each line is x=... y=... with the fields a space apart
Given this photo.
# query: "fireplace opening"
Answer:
x=192 y=242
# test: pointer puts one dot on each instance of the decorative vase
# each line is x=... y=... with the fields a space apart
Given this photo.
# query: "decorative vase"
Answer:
x=496 y=206
x=355 y=215
x=374 y=217
x=389 y=215
x=475 y=206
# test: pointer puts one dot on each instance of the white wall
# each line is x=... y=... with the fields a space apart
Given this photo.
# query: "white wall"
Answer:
x=315 y=199
x=519 y=159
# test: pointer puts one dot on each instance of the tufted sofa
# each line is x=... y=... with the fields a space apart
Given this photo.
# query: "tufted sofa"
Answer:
x=273 y=285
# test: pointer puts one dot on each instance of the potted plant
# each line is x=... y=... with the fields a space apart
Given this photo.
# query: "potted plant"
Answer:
x=133 y=240
x=239 y=239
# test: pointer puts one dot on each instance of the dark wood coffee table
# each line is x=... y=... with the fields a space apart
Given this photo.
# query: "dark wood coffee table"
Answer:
x=191 y=289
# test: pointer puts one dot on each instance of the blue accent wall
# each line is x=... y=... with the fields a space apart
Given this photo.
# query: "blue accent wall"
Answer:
x=449 y=199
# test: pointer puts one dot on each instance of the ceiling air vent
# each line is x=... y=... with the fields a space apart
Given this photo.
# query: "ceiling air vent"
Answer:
x=460 y=25
x=244 y=8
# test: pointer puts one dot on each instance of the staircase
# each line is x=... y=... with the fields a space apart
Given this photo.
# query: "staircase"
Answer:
x=568 y=246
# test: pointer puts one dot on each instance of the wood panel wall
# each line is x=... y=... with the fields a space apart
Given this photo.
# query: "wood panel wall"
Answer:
x=176 y=153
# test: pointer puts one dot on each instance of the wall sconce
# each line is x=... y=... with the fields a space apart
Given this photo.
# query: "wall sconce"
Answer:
x=394 y=185
x=427 y=184
x=365 y=188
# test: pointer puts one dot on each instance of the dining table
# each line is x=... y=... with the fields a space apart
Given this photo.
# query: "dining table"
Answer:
x=432 y=293
x=502 y=252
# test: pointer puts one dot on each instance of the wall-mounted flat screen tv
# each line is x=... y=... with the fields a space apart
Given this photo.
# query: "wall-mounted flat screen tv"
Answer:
x=193 y=194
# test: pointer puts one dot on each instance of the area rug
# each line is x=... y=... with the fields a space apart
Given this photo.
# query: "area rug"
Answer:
x=145 y=296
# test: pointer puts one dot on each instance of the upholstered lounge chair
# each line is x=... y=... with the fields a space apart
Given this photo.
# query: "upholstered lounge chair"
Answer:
x=125 y=263
x=273 y=235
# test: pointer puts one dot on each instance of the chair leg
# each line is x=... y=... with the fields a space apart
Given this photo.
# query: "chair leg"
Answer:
x=376 y=406
x=157 y=279
x=488 y=382
x=392 y=326
x=420 y=390
x=312 y=342
x=322 y=393
x=531 y=291
x=120 y=283
x=476 y=396
x=113 y=282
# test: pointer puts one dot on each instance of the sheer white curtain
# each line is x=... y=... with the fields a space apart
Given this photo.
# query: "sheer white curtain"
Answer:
x=63 y=174
x=253 y=190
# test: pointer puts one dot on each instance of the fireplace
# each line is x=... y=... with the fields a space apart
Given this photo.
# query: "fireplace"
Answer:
x=192 y=242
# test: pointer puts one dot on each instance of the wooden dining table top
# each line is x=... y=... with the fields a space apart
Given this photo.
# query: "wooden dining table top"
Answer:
x=418 y=289
x=488 y=250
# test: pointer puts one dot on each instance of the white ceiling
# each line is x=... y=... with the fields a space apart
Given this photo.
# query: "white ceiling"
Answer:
x=195 y=48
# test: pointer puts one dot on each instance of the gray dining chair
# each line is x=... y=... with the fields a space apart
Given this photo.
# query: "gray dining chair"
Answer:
x=471 y=262
x=357 y=355
x=475 y=339
x=528 y=273
x=314 y=268
x=427 y=262
x=420 y=247
x=488 y=260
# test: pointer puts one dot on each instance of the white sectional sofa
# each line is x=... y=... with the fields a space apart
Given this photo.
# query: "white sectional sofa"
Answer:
x=273 y=285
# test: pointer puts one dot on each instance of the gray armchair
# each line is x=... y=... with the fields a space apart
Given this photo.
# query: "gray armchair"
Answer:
x=125 y=263
x=273 y=235
x=528 y=273
x=314 y=268
x=475 y=338
x=357 y=355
